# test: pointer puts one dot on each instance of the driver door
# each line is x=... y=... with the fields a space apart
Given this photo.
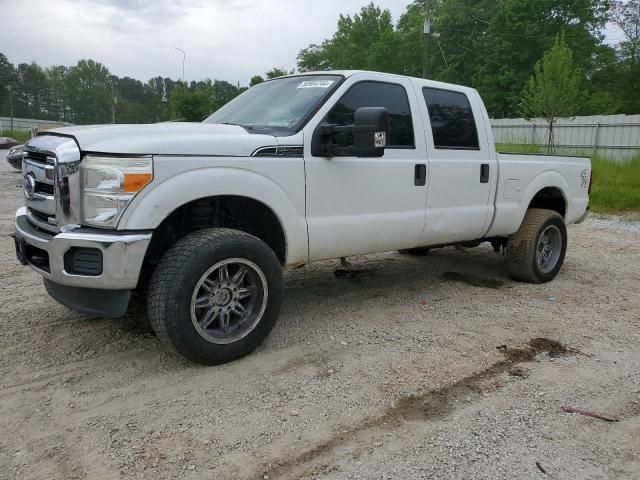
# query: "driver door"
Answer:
x=360 y=205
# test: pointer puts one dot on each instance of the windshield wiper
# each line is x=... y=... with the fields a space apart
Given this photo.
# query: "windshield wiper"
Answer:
x=246 y=127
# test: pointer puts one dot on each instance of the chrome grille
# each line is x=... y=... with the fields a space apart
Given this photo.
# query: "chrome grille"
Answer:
x=39 y=157
x=44 y=188
x=51 y=167
x=41 y=217
x=41 y=203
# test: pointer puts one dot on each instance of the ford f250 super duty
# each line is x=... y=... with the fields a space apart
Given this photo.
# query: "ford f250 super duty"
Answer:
x=204 y=216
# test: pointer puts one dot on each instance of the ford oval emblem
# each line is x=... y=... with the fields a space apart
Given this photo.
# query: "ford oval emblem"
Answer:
x=29 y=185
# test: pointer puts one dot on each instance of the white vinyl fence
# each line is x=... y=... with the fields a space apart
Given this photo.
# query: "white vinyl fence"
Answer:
x=616 y=137
x=27 y=124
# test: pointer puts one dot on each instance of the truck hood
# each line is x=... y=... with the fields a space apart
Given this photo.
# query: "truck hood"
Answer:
x=171 y=138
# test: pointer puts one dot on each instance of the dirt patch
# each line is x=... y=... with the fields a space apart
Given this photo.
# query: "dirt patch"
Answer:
x=534 y=347
x=473 y=280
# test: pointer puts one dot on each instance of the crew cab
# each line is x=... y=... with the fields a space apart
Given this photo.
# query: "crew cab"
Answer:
x=204 y=217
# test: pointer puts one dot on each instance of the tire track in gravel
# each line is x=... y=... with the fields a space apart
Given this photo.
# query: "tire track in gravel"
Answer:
x=430 y=406
x=46 y=376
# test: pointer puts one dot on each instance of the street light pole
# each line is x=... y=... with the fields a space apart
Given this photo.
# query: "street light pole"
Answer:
x=184 y=57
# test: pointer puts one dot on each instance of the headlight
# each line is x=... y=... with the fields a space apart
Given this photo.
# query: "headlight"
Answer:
x=109 y=184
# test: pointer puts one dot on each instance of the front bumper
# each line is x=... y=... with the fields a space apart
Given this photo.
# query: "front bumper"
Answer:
x=122 y=254
x=15 y=161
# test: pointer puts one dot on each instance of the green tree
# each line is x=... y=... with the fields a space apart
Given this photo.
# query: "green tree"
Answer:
x=555 y=88
x=276 y=72
x=518 y=34
x=160 y=90
x=626 y=16
x=460 y=25
x=624 y=77
x=89 y=88
x=189 y=106
x=222 y=92
x=207 y=96
x=599 y=103
x=57 y=98
x=491 y=45
x=255 y=80
x=137 y=102
x=8 y=79
x=365 y=41
x=31 y=91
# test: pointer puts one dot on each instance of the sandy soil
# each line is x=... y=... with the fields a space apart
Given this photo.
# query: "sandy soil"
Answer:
x=426 y=369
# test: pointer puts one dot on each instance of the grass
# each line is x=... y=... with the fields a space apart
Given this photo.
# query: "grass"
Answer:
x=21 y=137
x=517 y=148
x=616 y=186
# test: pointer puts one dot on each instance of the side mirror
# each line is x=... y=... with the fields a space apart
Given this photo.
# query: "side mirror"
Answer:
x=367 y=137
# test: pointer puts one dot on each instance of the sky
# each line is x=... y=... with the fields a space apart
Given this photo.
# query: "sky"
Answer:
x=225 y=39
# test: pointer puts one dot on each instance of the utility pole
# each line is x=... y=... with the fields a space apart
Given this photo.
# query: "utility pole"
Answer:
x=427 y=37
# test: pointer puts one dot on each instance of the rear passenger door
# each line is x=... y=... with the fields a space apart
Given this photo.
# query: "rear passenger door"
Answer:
x=462 y=165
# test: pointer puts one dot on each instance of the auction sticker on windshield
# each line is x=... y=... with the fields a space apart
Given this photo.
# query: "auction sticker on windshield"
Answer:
x=316 y=84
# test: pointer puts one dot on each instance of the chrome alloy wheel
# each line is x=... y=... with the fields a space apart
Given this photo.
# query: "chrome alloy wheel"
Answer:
x=549 y=249
x=229 y=300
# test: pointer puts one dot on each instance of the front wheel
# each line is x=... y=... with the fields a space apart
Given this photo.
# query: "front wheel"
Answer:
x=215 y=295
x=535 y=253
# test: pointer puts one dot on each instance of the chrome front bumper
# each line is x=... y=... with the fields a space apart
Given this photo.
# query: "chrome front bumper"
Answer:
x=122 y=254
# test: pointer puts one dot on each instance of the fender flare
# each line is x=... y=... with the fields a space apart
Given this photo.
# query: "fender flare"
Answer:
x=547 y=179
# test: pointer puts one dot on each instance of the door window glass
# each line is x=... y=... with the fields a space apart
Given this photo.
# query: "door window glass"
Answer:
x=391 y=96
x=452 y=122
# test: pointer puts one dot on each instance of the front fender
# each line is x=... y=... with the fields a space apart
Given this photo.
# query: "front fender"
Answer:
x=173 y=187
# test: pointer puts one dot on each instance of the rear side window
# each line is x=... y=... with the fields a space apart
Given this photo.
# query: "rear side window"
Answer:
x=452 y=122
x=378 y=94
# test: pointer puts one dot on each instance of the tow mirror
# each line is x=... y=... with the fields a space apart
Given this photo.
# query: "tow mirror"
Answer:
x=367 y=137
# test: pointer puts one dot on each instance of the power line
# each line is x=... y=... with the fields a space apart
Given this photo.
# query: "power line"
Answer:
x=521 y=35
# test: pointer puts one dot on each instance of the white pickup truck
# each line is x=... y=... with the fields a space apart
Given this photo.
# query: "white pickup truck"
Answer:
x=301 y=168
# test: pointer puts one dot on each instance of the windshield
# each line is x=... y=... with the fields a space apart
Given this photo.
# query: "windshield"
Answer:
x=281 y=104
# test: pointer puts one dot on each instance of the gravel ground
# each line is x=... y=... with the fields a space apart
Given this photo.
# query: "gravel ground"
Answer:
x=426 y=369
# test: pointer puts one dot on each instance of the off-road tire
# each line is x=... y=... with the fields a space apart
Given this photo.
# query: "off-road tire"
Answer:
x=176 y=276
x=521 y=246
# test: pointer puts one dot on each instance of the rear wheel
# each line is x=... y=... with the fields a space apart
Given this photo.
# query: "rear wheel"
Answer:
x=535 y=253
x=215 y=295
